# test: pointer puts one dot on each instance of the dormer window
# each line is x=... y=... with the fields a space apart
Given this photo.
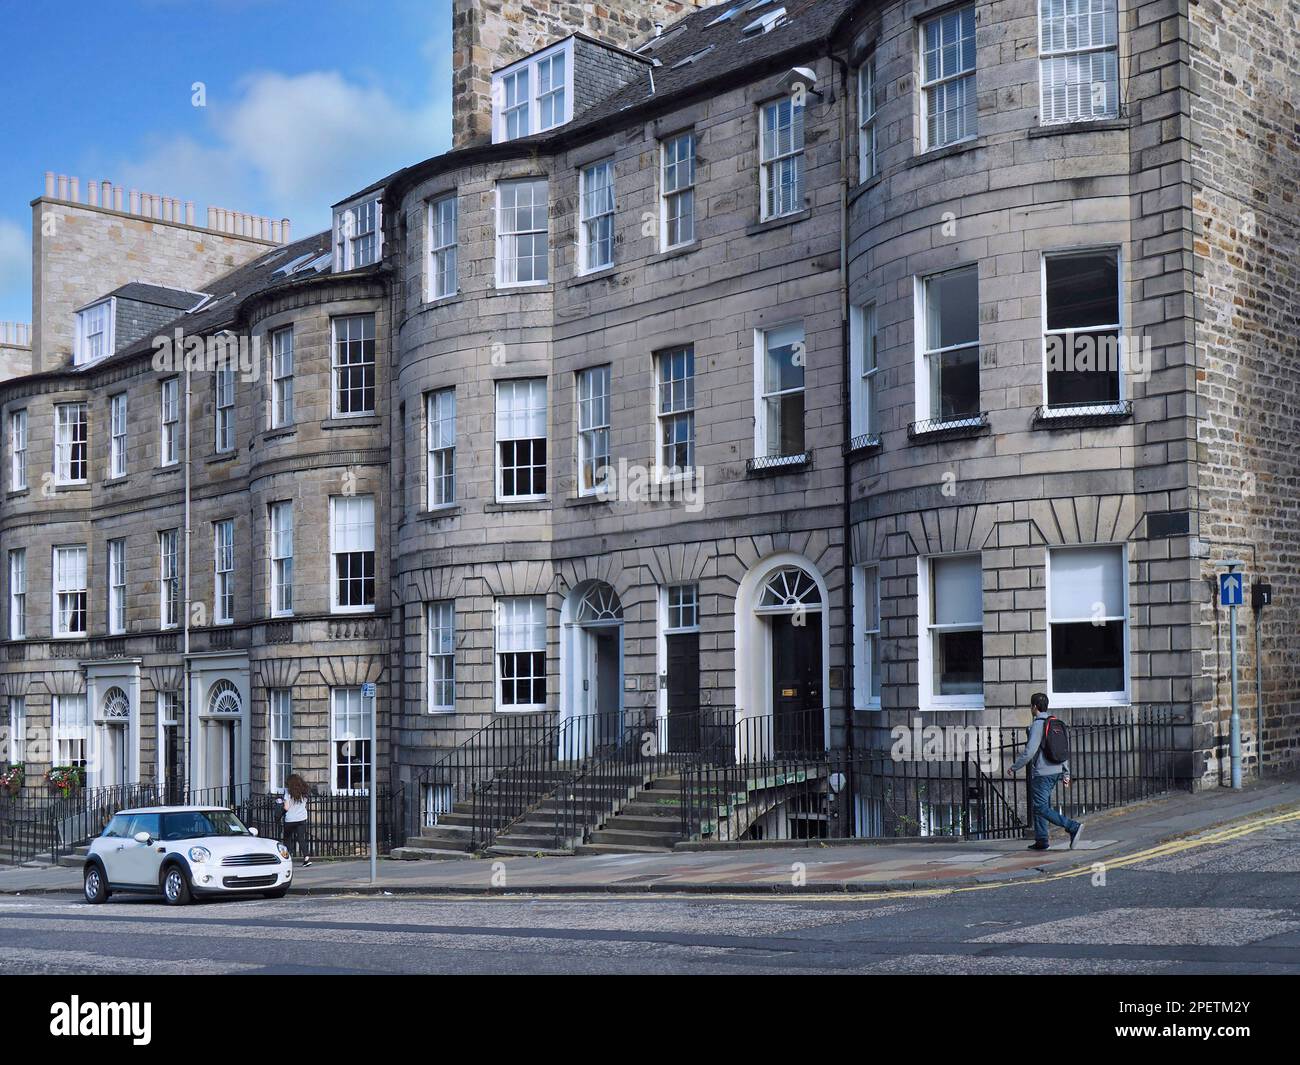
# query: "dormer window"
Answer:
x=94 y=339
x=358 y=234
x=534 y=94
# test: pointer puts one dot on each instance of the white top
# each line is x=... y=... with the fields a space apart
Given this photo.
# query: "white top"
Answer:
x=294 y=811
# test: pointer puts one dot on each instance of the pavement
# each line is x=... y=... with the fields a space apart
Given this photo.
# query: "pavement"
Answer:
x=813 y=868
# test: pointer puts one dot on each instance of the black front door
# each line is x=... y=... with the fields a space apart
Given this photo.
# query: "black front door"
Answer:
x=684 y=691
x=797 y=720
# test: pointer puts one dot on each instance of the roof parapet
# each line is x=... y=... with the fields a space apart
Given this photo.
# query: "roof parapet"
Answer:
x=164 y=208
x=15 y=334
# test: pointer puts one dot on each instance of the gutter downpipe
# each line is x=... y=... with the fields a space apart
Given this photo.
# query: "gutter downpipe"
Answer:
x=846 y=428
x=185 y=647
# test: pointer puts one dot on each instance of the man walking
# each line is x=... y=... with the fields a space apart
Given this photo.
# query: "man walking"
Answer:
x=1046 y=770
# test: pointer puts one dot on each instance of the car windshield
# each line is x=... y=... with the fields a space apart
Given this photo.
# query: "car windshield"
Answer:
x=191 y=824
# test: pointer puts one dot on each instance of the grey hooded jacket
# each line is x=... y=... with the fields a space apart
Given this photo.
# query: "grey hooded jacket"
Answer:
x=1033 y=750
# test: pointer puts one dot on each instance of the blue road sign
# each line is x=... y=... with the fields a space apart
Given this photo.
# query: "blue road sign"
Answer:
x=1231 y=586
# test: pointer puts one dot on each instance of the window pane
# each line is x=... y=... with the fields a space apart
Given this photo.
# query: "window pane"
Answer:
x=1088 y=657
x=959 y=663
x=1086 y=583
x=1082 y=290
x=955 y=383
x=958 y=594
x=952 y=308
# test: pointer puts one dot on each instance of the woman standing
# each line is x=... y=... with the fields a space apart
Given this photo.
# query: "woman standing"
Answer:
x=295 y=816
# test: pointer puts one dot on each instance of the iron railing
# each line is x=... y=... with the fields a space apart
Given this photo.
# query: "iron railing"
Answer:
x=338 y=826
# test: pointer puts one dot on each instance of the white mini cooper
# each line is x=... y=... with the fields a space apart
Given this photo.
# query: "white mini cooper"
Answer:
x=183 y=851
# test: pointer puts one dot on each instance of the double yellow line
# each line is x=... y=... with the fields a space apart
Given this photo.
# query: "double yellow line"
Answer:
x=1162 y=850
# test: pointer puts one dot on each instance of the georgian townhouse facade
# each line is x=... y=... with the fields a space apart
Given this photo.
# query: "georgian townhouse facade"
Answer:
x=858 y=360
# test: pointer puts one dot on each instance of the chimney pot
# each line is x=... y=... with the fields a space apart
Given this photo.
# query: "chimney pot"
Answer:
x=49 y=183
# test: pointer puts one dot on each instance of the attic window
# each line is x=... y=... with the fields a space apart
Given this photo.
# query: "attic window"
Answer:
x=358 y=235
x=694 y=57
x=655 y=43
x=533 y=95
x=765 y=23
x=94 y=337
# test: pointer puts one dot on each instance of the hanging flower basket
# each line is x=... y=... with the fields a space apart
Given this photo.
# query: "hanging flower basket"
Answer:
x=65 y=779
x=11 y=780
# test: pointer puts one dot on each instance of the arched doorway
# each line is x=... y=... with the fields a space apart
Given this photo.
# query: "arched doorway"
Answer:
x=782 y=657
x=114 y=737
x=591 y=651
x=220 y=730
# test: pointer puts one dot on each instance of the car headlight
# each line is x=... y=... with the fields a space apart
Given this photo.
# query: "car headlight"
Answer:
x=284 y=851
x=200 y=854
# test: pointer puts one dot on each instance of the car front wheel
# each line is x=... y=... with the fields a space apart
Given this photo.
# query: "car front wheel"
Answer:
x=176 y=886
x=278 y=893
x=96 y=886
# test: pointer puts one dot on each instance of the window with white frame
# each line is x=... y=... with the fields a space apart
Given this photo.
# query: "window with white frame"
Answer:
x=1078 y=60
x=358 y=234
x=440 y=433
x=169 y=422
x=443 y=248
x=523 y=232
x=1087 y=620
x=521 y=652
x=683 y=601
x=534 y=94
x=868 y=105
x=593 y=428
x=442 y=656
x=281 y=710
x=521 y=439
x=350 y=748
x=17 y=729
x=281 y=522
x=352 y=548
x=596 y=216
x=1081 y=329
x=17 y=450
x=169 y=578
x=117 y=435
x=224 y=388
x=781 y=161
x=676 y=410
x=169 y=760
x=70 y=591
x=18 y=593
x=71 y=722
x=864 y=367
x=282 y=377
x=71 y=443
x=952 y=607
x=677 y=191
x=866 y=627
x=116 y=587
x=223 y=567
x=948 y=78
x=780 y=415
x=948 y=377
x=94 y=336
x=354 y=365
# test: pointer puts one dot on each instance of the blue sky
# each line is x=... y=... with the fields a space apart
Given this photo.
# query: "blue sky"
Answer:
x=306 y=100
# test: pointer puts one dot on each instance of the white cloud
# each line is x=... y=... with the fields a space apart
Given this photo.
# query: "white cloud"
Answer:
x=291 y=146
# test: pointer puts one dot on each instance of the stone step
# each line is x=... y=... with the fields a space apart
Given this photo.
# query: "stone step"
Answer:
x=449 y=837
x=506 y=849
x=427 y=854
x=439 y=843
x=644 y=823
x=615 y=848
x=623 y=838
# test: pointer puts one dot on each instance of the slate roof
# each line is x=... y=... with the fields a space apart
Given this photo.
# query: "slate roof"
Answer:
x=723 y=52
x=157 y=295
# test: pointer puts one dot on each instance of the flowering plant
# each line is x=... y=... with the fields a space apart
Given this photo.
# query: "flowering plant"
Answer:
x=65 y=778
x=11 y=779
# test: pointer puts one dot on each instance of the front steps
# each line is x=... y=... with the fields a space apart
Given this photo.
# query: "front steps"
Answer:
x=649 y=823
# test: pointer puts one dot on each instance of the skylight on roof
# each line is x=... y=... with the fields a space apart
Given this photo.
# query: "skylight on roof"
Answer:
x=765 y=23
x=294 y=263
x=738 y=10
x=694 y=57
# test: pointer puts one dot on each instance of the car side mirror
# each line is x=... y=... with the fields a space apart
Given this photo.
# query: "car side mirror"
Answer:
x=143 y=837
x=252 y=832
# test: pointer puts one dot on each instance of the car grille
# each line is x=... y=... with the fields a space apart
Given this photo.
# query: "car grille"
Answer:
x=249 y=881
x=250 y=859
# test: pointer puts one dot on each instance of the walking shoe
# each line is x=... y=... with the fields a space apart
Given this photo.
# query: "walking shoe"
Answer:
x=306 y=862
x=1037 y=845
x=1074 y=836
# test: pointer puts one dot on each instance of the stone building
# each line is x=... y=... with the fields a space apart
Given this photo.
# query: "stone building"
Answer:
x=847 y=361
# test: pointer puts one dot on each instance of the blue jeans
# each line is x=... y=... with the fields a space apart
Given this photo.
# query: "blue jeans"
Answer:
x=1042 y=788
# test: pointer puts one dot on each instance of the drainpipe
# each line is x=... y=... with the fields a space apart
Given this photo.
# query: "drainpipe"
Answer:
x=846 y=428
x=185 y=657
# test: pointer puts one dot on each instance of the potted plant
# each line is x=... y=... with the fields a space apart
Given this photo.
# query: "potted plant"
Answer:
x=11 y=779
x=65 y=779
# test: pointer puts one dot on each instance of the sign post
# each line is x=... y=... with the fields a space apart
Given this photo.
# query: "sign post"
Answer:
x=1231 y=585
x=368 y=695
